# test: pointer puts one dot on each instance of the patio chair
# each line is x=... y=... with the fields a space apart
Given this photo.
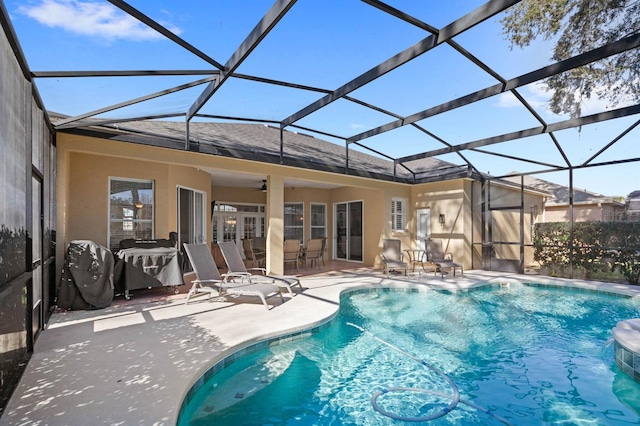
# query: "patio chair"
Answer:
x=392 y=256
x=443 y=261
x=252 y=254
x=209 y=280
x=292 y=252
x=312 y=252
x=324 y=249
x=237 y=269
x=259 y=244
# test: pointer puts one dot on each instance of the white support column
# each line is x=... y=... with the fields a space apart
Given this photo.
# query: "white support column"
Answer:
x=275 y=225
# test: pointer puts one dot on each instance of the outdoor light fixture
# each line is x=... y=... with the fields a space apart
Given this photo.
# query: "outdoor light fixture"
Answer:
x=139 y=205
x=264 y=186
x=441 y=219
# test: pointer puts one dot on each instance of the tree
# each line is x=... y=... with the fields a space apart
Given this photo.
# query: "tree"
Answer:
x=579 y=26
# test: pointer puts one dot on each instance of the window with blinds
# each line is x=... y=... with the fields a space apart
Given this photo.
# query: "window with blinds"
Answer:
x=398 y=214
x=130 y=210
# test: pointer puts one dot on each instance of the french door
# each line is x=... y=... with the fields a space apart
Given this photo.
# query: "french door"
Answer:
x=348 y=242
x=237 y=226
x=235 y=222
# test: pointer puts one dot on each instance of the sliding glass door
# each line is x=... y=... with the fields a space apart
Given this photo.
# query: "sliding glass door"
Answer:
x=191 y=216
x=348 y=225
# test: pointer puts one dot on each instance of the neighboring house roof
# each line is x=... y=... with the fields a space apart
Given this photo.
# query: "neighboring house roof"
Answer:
x=261 y=142
x=560 y=193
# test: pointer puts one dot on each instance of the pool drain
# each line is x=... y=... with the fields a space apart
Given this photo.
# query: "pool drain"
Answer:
x=455 y=397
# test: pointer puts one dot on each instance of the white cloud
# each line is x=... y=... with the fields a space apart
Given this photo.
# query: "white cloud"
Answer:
x=356 y=126
x=538 y=97
x=92 y=19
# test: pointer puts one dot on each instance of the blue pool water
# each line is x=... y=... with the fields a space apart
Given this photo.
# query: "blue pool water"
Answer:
x=529 y=355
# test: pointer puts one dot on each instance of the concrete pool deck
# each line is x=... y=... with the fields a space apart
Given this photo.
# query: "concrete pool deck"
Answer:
x=134 y=363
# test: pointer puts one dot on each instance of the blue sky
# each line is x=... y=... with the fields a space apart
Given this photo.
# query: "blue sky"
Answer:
x=322 y=43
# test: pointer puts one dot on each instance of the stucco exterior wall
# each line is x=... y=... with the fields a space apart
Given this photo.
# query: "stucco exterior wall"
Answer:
x=84 y=168
x=86 y=215
x=451 y=199
x=85 y=164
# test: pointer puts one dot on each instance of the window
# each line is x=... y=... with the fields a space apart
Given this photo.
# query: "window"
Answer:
x=130 y=210
x=398 y=214
x=318 y=220
x=294 y=221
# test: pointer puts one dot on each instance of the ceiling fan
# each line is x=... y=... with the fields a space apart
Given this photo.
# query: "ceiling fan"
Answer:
x=263 y=188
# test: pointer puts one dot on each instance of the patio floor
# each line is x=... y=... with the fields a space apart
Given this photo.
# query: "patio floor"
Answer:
x=133 y=362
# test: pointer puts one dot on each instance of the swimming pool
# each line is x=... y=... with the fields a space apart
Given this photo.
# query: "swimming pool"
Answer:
x=526 y=354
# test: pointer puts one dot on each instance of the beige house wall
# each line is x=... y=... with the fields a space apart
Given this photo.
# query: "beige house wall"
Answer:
x=86 y=163
x=86 y=193
x=451 y=199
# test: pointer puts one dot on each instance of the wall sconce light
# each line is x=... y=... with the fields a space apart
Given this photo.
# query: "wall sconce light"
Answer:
x=441 y=219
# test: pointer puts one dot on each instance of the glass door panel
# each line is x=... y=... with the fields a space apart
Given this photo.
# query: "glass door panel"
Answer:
x=341 y=231
x=229 y=228
x=348 y=243
x=191 y=217
x=355 y=231
x=250 y=228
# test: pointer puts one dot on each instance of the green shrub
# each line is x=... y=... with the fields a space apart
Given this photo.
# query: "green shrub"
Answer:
x=600 y=249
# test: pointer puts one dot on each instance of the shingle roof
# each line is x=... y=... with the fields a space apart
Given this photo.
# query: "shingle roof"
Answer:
x=261 y=142
x=560 y=193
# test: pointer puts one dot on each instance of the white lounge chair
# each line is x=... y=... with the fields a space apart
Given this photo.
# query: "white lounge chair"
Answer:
x=209 y=280
x=237 y=268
